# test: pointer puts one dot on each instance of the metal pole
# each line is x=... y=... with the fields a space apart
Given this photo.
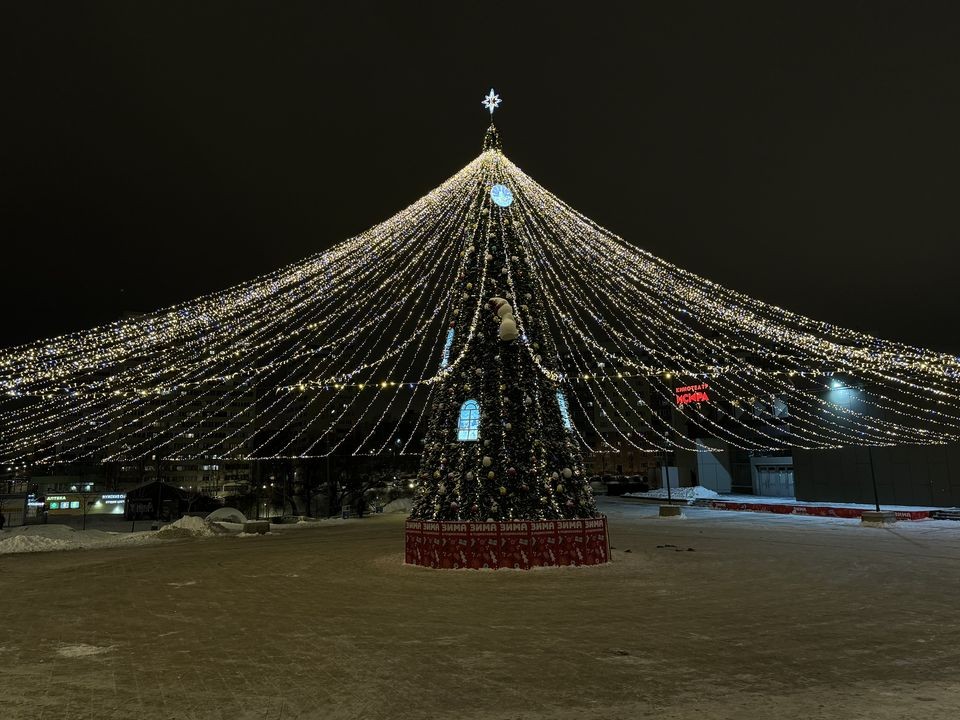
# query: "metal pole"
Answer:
x=666 y=475
x=873 y=478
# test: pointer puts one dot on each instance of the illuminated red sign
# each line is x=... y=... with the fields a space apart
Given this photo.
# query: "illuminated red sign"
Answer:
x=692 y=394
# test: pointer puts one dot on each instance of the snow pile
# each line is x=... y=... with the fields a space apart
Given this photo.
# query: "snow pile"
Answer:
x=685 y=493
x=54 y=532
x=398 y=505
x=189 y=527
x=33 y=543
x=43 y=538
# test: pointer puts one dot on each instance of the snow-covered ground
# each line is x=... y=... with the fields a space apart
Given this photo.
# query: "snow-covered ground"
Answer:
x=723 y=616
x=47 y=538
x=44 y=538
x=628 y=510
x=690 y=494
x=399 y=505
x=793 y=501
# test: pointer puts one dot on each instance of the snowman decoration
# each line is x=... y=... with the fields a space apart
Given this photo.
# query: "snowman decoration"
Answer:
x=508 y=323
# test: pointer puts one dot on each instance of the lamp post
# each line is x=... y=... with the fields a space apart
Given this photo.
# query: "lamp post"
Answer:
x=876 y=517
x=873 y=478
x=666 y=478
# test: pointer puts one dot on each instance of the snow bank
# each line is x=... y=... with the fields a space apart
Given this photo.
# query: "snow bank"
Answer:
x=32 y=543
x=44 y=538
x=398 y=505
x=685 y=493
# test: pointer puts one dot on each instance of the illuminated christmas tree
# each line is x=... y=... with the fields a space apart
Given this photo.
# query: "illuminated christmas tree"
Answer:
x=499 y=441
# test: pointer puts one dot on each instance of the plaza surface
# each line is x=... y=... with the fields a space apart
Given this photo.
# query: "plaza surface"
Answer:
x=717 y=615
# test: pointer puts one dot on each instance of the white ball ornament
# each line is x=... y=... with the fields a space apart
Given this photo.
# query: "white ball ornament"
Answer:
x=555 y=476
x=469 y=476
x=567 y=473
x=487 y=461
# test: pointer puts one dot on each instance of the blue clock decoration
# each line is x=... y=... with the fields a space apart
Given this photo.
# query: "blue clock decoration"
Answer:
x=501 y=195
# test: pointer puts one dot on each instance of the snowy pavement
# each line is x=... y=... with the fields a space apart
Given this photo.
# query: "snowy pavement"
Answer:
x=51 y=537
x=691 y=494
x=717 y=615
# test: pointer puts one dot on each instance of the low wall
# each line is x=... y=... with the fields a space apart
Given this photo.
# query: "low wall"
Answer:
x=519 y=544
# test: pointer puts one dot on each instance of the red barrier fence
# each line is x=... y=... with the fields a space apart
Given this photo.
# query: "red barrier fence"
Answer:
x=520 y=544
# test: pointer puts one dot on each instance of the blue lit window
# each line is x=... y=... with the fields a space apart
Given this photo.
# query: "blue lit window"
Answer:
x=564 y=410
x=469 y=426
x=445 y=359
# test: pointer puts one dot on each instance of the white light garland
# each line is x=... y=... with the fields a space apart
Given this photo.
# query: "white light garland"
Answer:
x=342 y=350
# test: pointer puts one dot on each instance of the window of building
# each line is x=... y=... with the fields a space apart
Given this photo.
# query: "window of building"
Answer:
x=469 y=425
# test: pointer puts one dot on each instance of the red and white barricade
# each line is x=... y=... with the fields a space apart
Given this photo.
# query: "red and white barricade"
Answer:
x=517 y=544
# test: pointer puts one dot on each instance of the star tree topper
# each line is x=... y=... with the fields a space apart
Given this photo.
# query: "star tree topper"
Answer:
x=492 y=101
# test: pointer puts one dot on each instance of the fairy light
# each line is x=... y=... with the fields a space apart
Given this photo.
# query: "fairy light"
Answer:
x=350 y=340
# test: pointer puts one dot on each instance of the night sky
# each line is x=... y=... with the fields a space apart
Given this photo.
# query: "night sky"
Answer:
x=806 y=154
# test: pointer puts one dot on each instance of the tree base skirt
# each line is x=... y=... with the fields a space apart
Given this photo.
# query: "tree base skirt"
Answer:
x=517 y=544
